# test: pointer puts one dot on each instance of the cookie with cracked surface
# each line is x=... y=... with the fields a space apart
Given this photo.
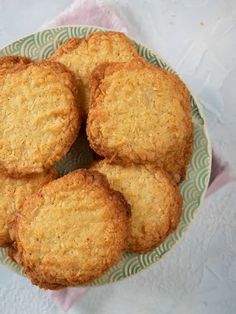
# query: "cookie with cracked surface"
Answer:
x=39 y=114
x=82 y=55
x=71 y=231
x=140 y=114
x=13 y=194
x=155 y=200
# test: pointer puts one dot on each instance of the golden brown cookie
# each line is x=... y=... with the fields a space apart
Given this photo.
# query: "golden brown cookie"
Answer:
x=81 y=55
x=155 y=200
x=13 y=194
x=71 y=231
x=140 y=114
x=9 y=63
x=39 y=116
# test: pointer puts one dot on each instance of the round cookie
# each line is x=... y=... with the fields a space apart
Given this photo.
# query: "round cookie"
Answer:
x=155 y=200
x=39 y=116
x=13 y=194
x=140 y=114
x=71 y=231
x=82 y=55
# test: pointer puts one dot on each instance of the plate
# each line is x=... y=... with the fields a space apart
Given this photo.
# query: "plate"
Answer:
x=40 y=46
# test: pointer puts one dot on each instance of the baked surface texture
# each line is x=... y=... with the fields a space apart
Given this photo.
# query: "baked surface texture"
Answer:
x=82 y=55
x=39 y=114
x=155 y=200
x=140 y=114
x=71 y=231
x=9 y=63
x=13 y=194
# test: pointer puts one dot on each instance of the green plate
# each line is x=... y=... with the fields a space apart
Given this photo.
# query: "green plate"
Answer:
x=40 y=46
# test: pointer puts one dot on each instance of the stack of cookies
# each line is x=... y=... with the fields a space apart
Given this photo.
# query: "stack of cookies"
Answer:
x=71 y=230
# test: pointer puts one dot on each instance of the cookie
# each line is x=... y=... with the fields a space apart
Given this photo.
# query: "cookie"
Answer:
x=81 y=55
x=140 y=114
x=39 y=115
x=155 y=200
x=13 y=194
x=72 y=230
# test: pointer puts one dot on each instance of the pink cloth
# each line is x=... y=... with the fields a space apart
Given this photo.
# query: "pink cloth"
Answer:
x=220 y=175
x=90 y=12
x=66 y=297
x=95 y=12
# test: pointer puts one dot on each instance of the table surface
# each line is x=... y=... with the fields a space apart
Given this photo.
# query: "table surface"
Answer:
x=198 y=38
